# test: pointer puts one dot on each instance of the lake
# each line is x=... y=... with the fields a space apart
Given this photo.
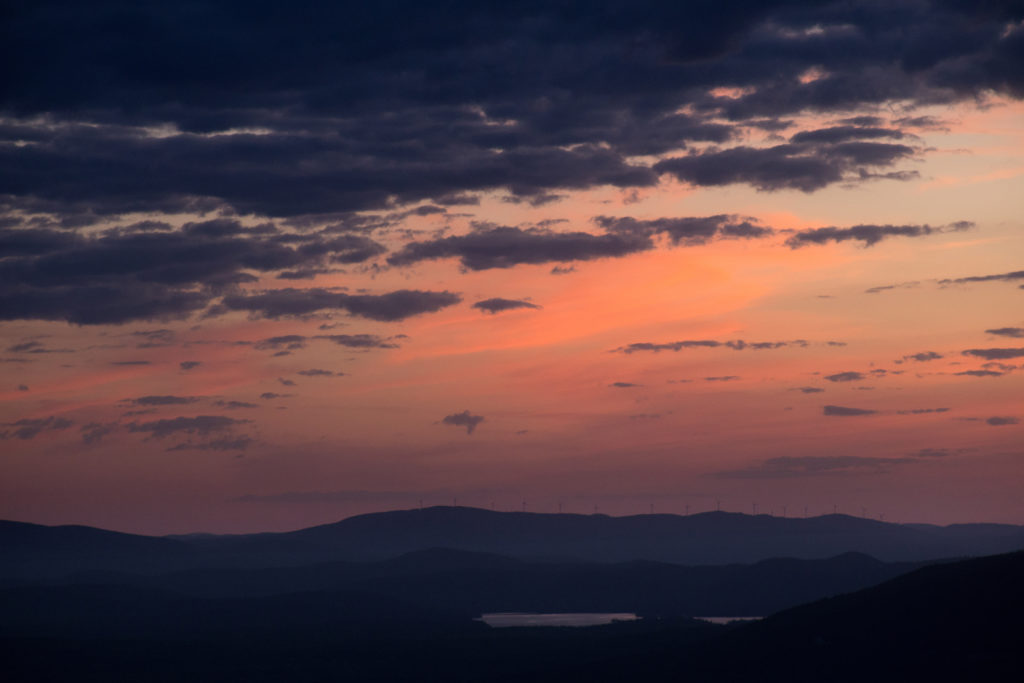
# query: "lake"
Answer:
x=506 y=619
x=728 y=620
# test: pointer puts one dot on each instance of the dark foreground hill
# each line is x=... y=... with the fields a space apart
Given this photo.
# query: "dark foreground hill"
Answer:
x=28 y=550
x=951 y=622
x=954 y=621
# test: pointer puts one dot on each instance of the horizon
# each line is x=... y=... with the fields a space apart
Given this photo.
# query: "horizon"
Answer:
x=297 y=263
x=521 y=512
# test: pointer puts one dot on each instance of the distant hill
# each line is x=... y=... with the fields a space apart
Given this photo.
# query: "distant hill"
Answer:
x=707 y=538
x=474 y=583
x=33 y=550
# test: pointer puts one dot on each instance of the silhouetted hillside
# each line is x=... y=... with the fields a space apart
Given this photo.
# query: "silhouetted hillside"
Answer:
x=956 y=621
x=33 y=550
x=951 y=622
x=707 y=538
x=474 y=583
x=28 y=550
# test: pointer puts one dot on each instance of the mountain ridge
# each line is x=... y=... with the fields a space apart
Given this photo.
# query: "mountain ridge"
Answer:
x=710 y=538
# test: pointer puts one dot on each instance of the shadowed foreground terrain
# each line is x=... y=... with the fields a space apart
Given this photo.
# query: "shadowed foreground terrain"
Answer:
x=412 y=617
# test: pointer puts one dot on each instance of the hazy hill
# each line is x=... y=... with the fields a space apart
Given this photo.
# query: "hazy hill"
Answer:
x=474 y=583
x=35 y=550
x=707 y=538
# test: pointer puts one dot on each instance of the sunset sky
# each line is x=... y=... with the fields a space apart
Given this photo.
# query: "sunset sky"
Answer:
x=268 y=265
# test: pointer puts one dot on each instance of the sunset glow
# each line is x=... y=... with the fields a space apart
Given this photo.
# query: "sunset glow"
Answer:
x=600 y=265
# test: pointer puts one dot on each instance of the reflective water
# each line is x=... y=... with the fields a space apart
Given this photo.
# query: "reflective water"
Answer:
x=505 y=619
x=727 y=620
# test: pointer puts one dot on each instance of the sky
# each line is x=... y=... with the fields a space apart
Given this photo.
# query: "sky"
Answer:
x=265 y=265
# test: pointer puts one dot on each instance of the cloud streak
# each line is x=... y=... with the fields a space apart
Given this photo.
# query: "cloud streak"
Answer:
x=498 y=305
x=869 y=235
x=201 y=425
x=735 y=345
x=843 y=411
x=390 y=307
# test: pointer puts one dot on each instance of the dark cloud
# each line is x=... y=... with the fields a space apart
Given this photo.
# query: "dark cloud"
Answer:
x=314 y=115
x=735 y=345
x=624 y=385
x=316 y=372
x=303 y=273
x=497 y=305
x=1017 y=332
x=35 y=347
x=270 y=395
x=359 y=341
x=845 y=377
x=980 y=373
x=233 y=405
x=923 y=356
x=535 y=200
x=841 y=411
x=861 y=130
x=504 y=247
x=793 y=166
x=809 y=390
x=884 y=288
x=161 y=400
x=690 y=230
x=285 y=382
x=22 y=387
x=995 y=354
x=201 y=425
x=117 y=276
x=812 y=465
x=721 y=378
x=870 y=235
x=29 y=428
x=130 y=362
x=1002 y=421
x=669 y=346
x=94 y=432
x=922 y=411
x=189 y=364
x=1001 y=277
x=288 y=341
x=323 y=109
x=393 y=306
x=463 y=419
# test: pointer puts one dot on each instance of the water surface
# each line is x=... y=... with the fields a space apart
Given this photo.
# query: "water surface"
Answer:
x=506 y=619
x=728 y=620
